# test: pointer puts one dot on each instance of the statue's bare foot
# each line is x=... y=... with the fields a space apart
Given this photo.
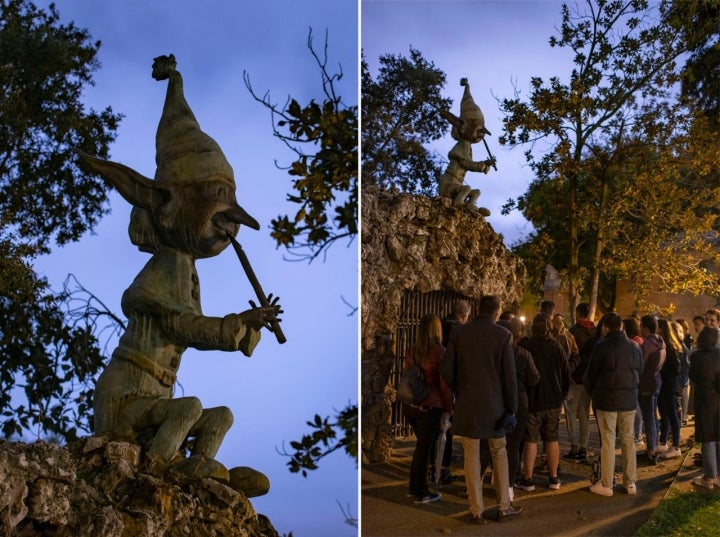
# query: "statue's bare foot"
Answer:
x=199 y=467
x=249 y=481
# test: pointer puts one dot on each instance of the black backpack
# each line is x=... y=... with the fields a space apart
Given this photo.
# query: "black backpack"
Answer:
x=411 y=386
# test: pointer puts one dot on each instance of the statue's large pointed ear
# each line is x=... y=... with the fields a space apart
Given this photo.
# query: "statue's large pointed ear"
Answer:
x=454 y=120
x=137 y=189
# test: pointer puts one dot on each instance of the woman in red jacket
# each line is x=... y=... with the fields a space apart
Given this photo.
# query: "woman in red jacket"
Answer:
x=424 y=417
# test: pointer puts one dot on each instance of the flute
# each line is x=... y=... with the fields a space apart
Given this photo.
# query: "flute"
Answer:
x=262 y=298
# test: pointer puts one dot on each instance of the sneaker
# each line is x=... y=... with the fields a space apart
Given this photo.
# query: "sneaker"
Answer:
x=598 y=488
x=554 y=483
x=508 y=513
x=526 y=484
x=661 y=448
x=700 y=481
x=631 y=489
x=572 y=454
x=652 y=459
x=427 y=498
x=671 y=454
x=581 y=454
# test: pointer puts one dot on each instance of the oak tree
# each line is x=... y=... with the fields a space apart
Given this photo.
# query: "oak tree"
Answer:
x=400 y=115
x=613 y=129
x=48 y=361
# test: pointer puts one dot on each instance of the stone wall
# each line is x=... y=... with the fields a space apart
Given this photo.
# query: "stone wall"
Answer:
x=97 y=488
x=414 y=243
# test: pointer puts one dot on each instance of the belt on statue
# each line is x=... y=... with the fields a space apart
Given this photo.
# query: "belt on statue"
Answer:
x=164 y=376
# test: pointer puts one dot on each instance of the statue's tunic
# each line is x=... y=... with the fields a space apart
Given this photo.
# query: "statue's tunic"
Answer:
x=164 y=318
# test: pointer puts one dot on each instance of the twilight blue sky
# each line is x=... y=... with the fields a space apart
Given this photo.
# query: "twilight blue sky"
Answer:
x=273 y=393
x=498 y=45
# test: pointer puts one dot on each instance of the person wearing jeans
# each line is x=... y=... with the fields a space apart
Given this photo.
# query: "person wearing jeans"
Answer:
x=653 y=352
x=648 y=407
x=424 y=417
x=577 y=414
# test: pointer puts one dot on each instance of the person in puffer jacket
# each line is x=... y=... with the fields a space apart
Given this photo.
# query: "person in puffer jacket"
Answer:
x=612 y=379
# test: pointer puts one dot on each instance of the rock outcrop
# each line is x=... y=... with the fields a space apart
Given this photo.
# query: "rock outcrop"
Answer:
x=419 y=244
x=98 y=488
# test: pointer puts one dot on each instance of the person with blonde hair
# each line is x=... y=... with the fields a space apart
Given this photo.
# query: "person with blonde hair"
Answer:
x=427 y=352
x=669 y=389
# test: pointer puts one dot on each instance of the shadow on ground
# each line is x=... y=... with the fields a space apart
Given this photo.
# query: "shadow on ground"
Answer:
x=571 y=511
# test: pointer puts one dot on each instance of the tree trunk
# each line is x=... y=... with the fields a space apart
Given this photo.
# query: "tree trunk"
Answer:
x=574 y=250
x=599 y=245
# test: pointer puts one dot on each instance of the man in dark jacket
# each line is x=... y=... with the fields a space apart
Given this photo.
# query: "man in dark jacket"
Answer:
x=479 y=365
x=654 y=352
x=612 y=379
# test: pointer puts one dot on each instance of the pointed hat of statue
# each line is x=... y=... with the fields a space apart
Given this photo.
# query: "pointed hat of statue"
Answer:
x=184 y=153
x=469 y=111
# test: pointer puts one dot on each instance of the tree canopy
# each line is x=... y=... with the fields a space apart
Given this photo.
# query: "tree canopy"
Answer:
x=326 y=183
x=48 y=361
x=325 y=175
x=622 y=162
x=400 y=114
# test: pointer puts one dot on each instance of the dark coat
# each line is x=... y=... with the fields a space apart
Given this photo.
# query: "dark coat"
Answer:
x=670 y=371
x=552 y=363
x=527 y=375
x=613 y=374
x=479 y=366
x=585 y=335
x=448 y=323
x=653 y=350
x=705 y=376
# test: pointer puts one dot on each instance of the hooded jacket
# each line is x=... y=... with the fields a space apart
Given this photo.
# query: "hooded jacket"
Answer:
x=551 y=361
x=585 y=335
x=653 y=349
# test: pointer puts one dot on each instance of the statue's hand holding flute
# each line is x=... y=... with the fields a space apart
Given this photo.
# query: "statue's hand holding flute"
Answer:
x=266 y=314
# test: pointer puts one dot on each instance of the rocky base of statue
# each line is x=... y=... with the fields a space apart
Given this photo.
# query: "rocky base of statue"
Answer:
x=102 y=488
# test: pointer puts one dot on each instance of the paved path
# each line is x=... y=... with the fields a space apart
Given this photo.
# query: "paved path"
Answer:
x=571 y=511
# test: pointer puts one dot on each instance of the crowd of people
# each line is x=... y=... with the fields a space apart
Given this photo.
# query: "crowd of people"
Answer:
x=501 y=388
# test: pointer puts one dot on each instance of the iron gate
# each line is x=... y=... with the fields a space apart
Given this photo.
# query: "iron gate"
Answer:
x=412 y=308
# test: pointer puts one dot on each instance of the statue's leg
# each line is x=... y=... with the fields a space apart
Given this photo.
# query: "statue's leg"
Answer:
x=461 y=194
x=210 y=430
x=174 y=419
x=473 y=196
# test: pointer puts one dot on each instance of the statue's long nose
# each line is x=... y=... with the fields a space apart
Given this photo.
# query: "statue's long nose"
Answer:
x=238 y=215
